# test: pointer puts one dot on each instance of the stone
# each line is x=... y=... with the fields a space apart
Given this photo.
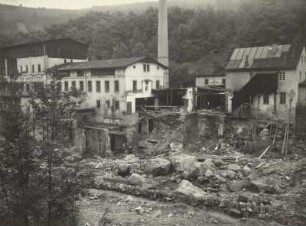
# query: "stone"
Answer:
x=243 y=198
x=183 y=162
x=238 y=185
x=218 y=162
x=260 y=186
x=234 y=167
x=230 y=174
x=139 y=210
x=240 y=175
x=246 y=170
x=221 y=179
x=124 y=169
x=188 y=189
x=209 y=173
x=158 y=167
x=136 y=179
x=236 y=213
x=223 y=173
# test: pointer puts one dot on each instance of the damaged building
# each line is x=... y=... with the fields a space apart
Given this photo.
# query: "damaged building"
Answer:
x=266 y=82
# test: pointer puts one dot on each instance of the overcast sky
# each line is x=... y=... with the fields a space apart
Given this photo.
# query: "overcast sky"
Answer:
x=68 y=4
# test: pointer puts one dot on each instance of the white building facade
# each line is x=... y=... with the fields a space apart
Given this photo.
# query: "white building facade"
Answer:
x=115 y=86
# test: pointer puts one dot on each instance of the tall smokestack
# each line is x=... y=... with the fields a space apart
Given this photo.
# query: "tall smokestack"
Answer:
x=163 y=49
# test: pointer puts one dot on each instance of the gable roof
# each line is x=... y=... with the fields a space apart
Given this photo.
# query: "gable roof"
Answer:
x=45 y=42
x=275 y=57
x=107 y=64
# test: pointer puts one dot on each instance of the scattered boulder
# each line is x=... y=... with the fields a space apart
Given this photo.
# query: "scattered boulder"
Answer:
x=183 y=162
x=136 y=179
x=124 y=169
x=234 y=167
x=260 y=186
x=238 y=185
x=218 y=162
x=246 y=170
x=230 y=174
x=188 y=189
x=158 y=167
x=209 y=173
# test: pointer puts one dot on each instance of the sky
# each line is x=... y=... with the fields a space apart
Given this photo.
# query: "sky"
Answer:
x=68 y=4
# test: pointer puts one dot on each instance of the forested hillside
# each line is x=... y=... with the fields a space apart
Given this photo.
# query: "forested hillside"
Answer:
x=201 y=40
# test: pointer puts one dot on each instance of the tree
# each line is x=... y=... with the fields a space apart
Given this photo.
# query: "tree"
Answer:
x=53 y=111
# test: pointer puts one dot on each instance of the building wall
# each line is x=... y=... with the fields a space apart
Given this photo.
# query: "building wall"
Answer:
x=136 y=72
x=102 y=96
x=212 y=81
x=302 y=96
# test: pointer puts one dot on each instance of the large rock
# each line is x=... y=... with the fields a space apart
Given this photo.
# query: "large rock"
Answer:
x=183 y=163
x=246 y=170
x=218 y=162
x=230 y=174
x=158 y=167
x=261 y=186
x=123 y=169
x=238 y=185
x=136 y=179
x=234 y=167
x=188 y=189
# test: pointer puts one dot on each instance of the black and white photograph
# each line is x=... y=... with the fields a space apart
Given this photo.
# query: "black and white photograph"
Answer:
x=152 y=112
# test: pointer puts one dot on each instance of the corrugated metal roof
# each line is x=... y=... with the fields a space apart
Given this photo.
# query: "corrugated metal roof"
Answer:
x=264 y=58
x=104 y=64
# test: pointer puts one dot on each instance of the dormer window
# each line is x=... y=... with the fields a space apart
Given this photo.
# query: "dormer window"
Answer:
x=134 y=66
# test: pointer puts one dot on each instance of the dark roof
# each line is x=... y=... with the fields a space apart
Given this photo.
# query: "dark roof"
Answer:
x=43 y=41
x=276 y=57
x=205 y=76
x=104 y=64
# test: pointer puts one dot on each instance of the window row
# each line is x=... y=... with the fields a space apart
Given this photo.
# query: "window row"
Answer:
x=114 y=106
x=157 y=85
x=33 y=70
x=282 y=98
x=90 y=86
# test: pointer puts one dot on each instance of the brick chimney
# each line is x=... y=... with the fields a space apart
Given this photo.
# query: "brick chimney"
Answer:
x=163 y=49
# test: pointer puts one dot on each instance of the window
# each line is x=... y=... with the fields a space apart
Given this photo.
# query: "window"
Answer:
x=223 y=81
x=66 y=85
x=21 y=68
x=282 y=98
x=107 y=103
x=146 y=85
x=116 y=86
x=71 y=60
x=281 y=76
x=89 y=86
x=157 y=84
x=300 y=76
x=134 y=85
x=82 y=85
x=206 y=81
x=27 y=69
x=80 y=73
x=134 y=66
x=27 y=87
x=146 y=67
x=65 y=61
x=116 y=105
x=98 y=104
x=98 y=86
x=33 y=68
x=106 y=85
x=38 y=68
x=266 y=99
x=73 y=84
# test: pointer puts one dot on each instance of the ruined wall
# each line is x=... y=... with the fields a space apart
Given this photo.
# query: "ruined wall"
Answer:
x=190 y=130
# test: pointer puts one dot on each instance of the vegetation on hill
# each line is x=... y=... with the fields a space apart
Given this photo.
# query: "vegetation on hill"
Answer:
x=201 y=40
